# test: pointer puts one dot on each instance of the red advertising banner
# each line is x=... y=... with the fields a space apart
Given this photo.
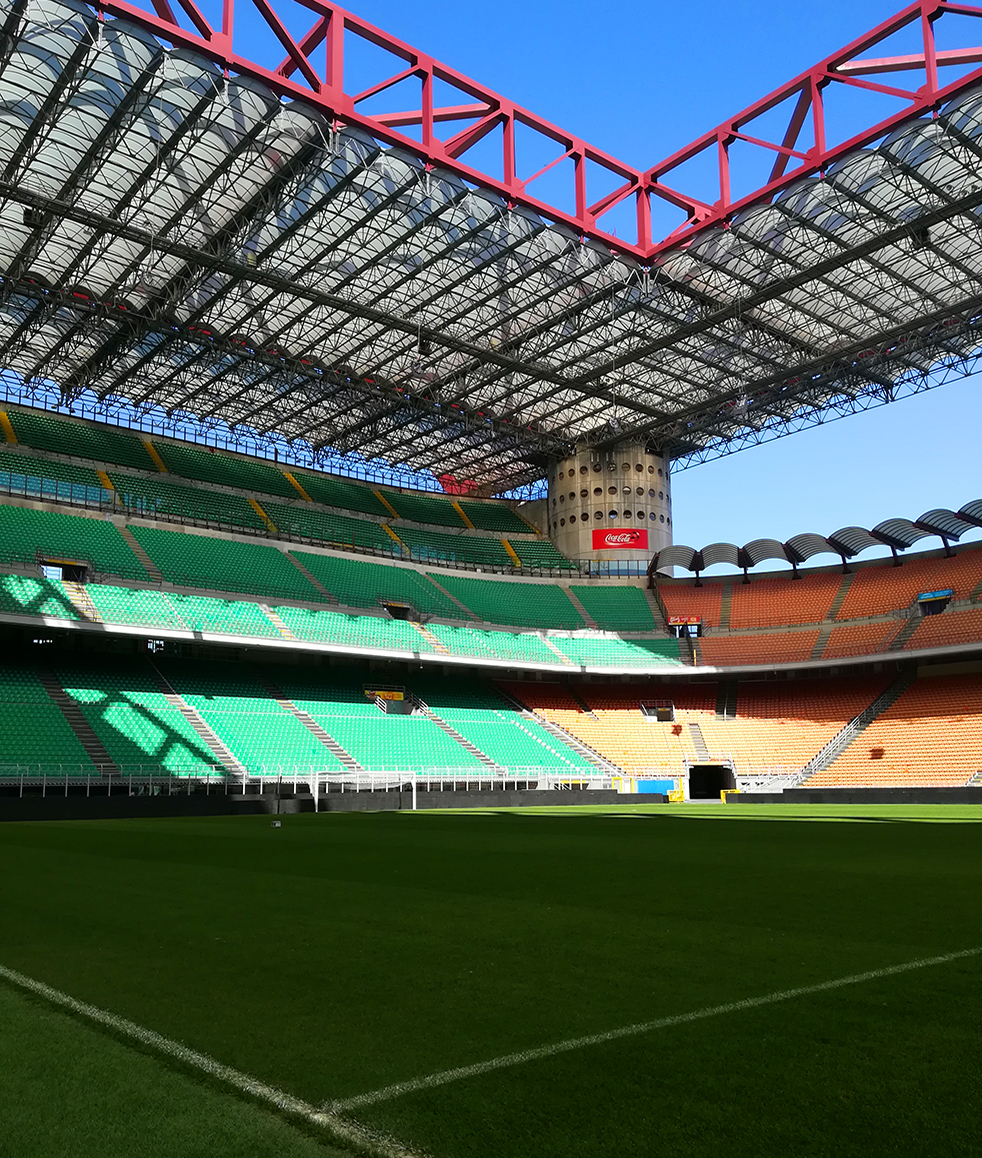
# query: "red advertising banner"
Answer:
x=620 y=540
x=683 y=620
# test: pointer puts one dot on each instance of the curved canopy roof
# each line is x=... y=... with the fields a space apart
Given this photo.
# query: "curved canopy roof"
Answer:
x=173 y=237
x=898 y=534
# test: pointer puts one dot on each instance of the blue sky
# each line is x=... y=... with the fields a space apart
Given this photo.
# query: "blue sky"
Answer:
x=640 y=80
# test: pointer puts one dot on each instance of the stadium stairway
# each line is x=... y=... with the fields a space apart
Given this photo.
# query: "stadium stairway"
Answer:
x=274 y=618
x=223 y=757
x=726 y=604
x=431 y=639
x=344 y=757
x=136 y=547
x=824 y=633
x=659 y=611
x=855 y=728
x=468 y=614
x=587 y=617
x=899 y=641
x=698 y=742
x=563 y=658
x=82 y=601
x=311 y=579
x=452 y=732
x=94 y=748
x=841 y=594
x=726 y=700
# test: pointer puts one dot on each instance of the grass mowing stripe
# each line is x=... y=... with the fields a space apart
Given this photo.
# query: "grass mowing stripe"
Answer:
x=386 y=1093
x=343 y=1132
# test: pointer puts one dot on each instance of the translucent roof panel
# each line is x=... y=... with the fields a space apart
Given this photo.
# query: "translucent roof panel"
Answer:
x=174 y=237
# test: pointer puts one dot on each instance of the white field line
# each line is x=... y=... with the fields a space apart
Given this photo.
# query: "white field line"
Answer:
x=345 y=1133
x=545 y=1051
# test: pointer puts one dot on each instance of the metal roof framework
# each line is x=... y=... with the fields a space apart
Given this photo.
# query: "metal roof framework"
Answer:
x=183 y=228
x=847 y=542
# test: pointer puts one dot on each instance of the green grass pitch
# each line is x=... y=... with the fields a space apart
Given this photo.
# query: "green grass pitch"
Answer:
x=343 y=953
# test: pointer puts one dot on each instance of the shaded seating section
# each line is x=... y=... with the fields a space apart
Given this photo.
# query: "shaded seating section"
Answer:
x=263 y=737
x=216 y=466
x=521 y=647
x=340 y=492
x=621 y=652
x=496 y=728
x=147 y=498
x=540 y=553
x=528 y=605
x=303 y=521
x=132 y=717
x=373 y=631
x=433 y=547
x=48 y=479
x=877 y=590
x=931 y=735
x=27 y=595
x=494 y=517
x=616 y=608
x=783 y=725
x=781 y=600
x=419 y=507
x=224 y=564
x=25 y=532
x=355 y=583
x=33 y=731
x=773 y=647
x=948 y=629
x=63 y=436
x=859 y=639
x=684 y=599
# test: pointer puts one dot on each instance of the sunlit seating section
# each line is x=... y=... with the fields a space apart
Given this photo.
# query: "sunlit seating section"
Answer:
x=931 y=736
x=372 y=631
x=138 y=727
x=528 y=605
x=494 y=517
x=419 y=507
x=340 y=492
x=302 y=521
x=616 y=608
x=612 y=652
x=771 y=647
x=379 y=741
x=948 y=629
x=150 y=498
x=782 y=725
x=216 y=466
x=134 y=607
x=357 y=583
x=877 y=590
x=617 y=729
x=27 y=595
x=192 y=560
x=540 y=553
x=222 y=616
x=34 y=735
x=26 y=534
x=779 y=601
x=434 y=547
x=520 y=647
x=62 y=436
x=859 y=639
x=264 y=737
x=495 y=727
x=688 y=600
x=43 y=478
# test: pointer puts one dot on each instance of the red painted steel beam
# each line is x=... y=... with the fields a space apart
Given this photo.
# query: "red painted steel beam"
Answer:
x=323 y=86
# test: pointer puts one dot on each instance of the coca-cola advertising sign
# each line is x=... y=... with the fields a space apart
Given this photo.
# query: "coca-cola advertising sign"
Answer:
x=620 y=540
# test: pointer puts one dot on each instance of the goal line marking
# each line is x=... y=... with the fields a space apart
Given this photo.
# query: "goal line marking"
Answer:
x=415 y=1085
x=343 y=1132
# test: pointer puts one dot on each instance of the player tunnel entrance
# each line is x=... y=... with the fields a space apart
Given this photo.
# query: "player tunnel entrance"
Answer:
x=707 y=781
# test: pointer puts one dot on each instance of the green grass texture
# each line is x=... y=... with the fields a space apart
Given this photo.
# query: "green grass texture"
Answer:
x=342 y=953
